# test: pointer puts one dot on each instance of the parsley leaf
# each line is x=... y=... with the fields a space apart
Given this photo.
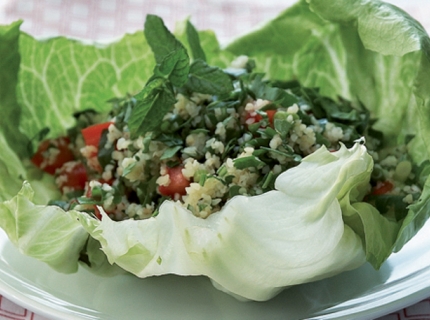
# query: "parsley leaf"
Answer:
x=264 y=90
x=248 y=162
x=170 y=152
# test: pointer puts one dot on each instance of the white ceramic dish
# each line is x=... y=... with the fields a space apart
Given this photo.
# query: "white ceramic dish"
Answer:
x=360 y=294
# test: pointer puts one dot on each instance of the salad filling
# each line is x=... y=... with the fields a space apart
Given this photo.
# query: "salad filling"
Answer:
x=231 y=133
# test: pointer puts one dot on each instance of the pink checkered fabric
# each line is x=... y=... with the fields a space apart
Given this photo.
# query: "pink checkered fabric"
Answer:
x=112 y=18
x=107 y=19
x=12 y=311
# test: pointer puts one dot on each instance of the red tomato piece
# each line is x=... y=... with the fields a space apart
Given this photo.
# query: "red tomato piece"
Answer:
x=254 y=117
x=73 y=176
x=97 y=213
x=52 y=154
x=382 y=187
x=92 y=134
x=177 y=184
x=270 y=115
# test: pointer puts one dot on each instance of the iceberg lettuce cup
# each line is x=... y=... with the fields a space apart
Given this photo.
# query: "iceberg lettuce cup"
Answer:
x=314 y=224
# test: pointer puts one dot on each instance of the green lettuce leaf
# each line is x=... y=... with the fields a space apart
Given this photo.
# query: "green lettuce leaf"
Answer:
x=371 y=52
x=44 y=232
x=60 y=76
x=301 y=233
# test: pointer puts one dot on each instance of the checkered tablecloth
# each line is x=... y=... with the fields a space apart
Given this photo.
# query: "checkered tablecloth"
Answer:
x=109 y=19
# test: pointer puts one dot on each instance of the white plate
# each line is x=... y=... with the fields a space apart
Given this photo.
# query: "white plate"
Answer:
x=361 y=294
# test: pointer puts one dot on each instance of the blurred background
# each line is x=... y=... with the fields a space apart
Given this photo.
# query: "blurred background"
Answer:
x=109 y=19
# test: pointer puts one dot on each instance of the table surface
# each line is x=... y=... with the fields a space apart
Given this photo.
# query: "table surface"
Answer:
x=109 y=19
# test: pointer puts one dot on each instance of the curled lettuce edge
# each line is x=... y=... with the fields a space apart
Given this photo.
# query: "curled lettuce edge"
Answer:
x=367 y=51
x=43 y=232
x=301 y=233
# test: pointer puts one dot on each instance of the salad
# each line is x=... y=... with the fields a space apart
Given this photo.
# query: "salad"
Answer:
x=259 y=165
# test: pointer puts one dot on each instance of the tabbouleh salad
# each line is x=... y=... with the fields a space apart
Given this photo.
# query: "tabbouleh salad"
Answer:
x=220 y=134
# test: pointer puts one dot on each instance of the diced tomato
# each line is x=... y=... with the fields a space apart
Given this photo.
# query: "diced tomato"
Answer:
x=72 y=175
x=92 y=134
x=382 y=187
x=109 y=182
x=270 y=115
x=177 y=184
x=254 y=117
x=97 y=213
x=52 y=154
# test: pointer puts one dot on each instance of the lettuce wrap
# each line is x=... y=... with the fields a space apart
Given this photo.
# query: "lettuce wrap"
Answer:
x=314 y=225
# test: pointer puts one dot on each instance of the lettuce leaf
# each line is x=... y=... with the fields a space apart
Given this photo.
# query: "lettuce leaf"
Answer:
x=371 y=52
x=301 y=233
x=34 y=228
x=366 y=51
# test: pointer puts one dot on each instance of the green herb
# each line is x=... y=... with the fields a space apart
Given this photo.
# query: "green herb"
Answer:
x=104 y=155
x=155 y=100
x=202 y=179
x=194 y=42
x=248 y=162
x=170 y=140
x=263 y=90
x=172 y=71
x=268 y=181
x=128 y=169
x=267 y=132
x=86 y=200
x=206 y=79
x=170 y=152
x=234 y=191
x=171 y=56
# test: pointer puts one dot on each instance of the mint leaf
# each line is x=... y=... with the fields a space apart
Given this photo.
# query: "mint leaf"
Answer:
x=175 y=66
x=153 y=102
x=206 y=79
x=194 y=42
x=171 y=56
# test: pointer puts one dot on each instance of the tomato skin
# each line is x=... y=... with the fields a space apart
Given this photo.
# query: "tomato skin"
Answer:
x=271 y=115
x=97 y=213
x=177 y=184
x=382 y=187
x=52 y=154
x=72 y=175
x=254 y=116
x=92 y=134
